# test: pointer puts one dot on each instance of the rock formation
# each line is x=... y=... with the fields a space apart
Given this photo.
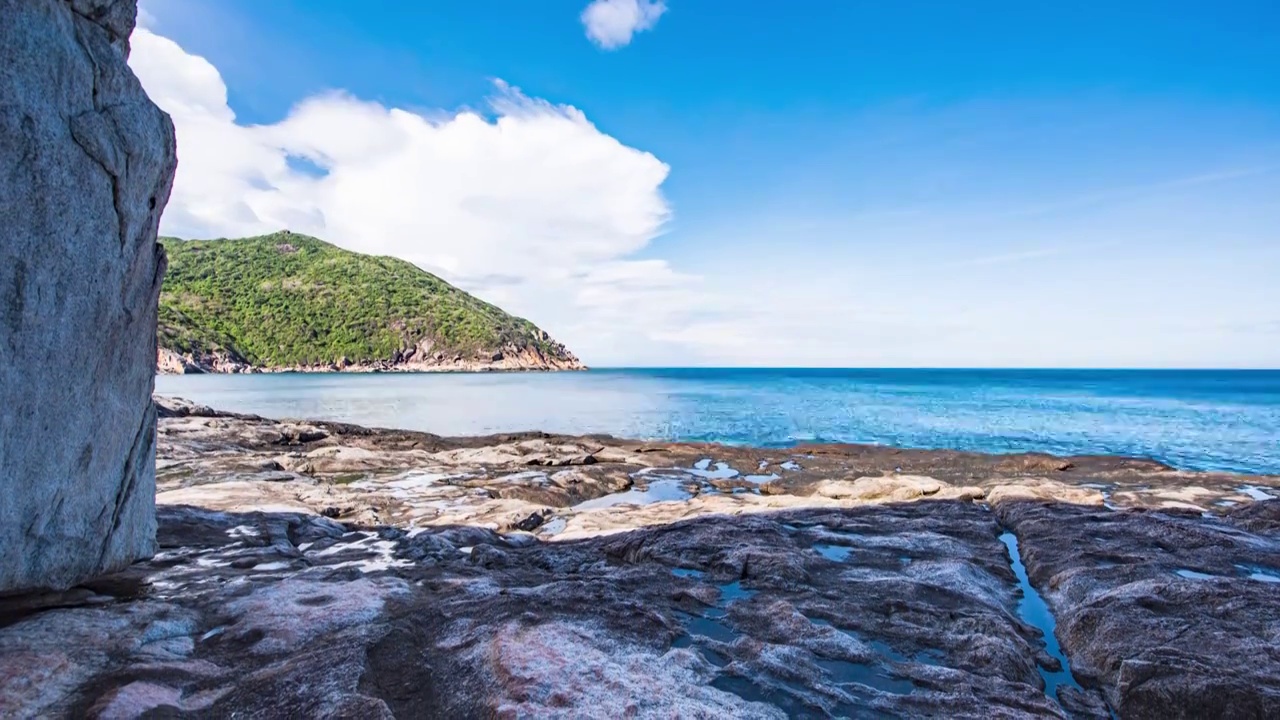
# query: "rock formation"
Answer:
x=86 y=165
x=319 y=569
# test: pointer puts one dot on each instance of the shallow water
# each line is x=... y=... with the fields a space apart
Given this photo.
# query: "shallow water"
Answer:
x=838 y=553
x=1035 y=611
x=1225 y=420
x=712 y=626
x=1260 y=573
x=1253 y=492
x=722 y=471
x=658 y=491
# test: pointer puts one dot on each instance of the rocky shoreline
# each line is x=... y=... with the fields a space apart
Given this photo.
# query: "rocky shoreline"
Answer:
x=170 y=362
x=325 y=569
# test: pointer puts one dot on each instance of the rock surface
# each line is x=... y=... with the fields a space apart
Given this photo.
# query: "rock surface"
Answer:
x=567 y=487
x=509 y=359
x=1175 y=614
x=86 y=162
x=899 y=610
x=341 y=571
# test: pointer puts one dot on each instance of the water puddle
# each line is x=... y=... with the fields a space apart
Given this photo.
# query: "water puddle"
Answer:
x=872 y=674
x=844 y=672
x=658 y=491
x=929 y=657
x=536 y=476
x=1106 y=491
x=837 y=553
x=791 y=465
x=710 y=624
x=1260 y=573
x=553 y=526
x=751 y=692
x=707 y=627
x=1035 y=611
x=407 y=485
x=722 y=471
x=730 y=592
x=1253 y=492
x=760 y=479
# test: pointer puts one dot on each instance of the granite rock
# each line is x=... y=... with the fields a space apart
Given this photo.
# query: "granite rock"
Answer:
x=86 y=165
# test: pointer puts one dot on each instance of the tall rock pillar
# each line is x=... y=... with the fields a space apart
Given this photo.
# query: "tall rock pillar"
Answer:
x=86 y=165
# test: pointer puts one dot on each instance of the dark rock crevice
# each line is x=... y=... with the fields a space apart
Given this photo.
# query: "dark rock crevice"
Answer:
x=142 y=448
x=1054 y=664
x=1155 y=608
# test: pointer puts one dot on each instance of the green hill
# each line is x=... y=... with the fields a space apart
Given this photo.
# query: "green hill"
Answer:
x=291 y=301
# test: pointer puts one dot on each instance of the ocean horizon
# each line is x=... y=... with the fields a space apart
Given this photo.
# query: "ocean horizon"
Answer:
x=1194 y=419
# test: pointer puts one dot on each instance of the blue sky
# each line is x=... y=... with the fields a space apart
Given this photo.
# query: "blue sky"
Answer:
x=819 y=183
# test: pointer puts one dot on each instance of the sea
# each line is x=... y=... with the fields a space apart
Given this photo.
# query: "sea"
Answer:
x=1193 y=419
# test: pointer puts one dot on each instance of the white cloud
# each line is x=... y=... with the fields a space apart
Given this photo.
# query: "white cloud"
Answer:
x=611 y=23
x=145 y=18
x=532 y=206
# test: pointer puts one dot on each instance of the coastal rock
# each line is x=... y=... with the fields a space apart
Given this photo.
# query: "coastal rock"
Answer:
x=86 y=165
x=289 y=615
x=647 y=584
x=172 y=362
x=889 y=488
x=237 y=462
x=1176 y=615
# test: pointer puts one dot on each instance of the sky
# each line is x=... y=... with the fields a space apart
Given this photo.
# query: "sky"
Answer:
x=839 y=183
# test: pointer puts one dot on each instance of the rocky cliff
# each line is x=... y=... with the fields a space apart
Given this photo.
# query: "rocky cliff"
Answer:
x=86 y=165
x=291 y=302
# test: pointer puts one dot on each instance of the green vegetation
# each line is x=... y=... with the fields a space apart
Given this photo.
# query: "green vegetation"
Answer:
x=287 y=299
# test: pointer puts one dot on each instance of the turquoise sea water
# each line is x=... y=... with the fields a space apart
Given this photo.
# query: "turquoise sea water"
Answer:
x=1223 y=420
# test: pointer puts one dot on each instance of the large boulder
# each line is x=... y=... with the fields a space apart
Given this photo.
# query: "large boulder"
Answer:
x=86 y=165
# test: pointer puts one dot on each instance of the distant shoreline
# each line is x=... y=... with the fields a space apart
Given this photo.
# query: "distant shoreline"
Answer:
x=376 y=371
x=170 y=362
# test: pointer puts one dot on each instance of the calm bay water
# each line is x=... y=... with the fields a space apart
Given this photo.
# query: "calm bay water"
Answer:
x=1219 y=420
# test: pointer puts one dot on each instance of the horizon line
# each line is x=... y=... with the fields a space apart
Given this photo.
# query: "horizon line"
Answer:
x=1033 y=368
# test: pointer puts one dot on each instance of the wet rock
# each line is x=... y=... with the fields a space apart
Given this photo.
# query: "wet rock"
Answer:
x=1174 y=614
x=891 y=595
x=413 y=478
x=530 y=523
x=86 y=167
x=895 y=609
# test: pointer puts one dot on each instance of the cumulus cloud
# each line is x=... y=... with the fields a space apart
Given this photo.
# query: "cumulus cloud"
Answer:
x=611 y=23
x=526 y=203
x=529 y=205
